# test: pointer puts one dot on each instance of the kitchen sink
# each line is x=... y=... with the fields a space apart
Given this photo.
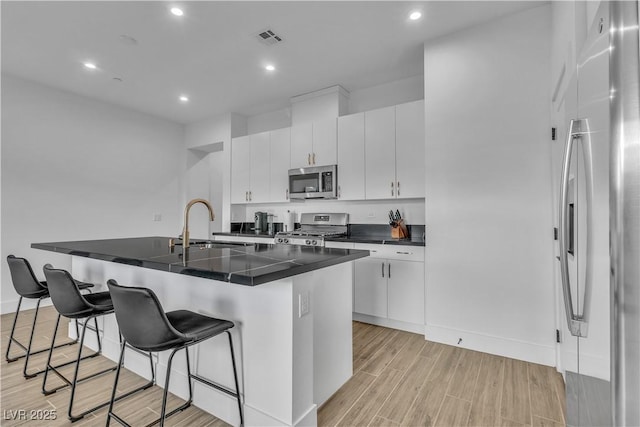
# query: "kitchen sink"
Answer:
x=217 y=244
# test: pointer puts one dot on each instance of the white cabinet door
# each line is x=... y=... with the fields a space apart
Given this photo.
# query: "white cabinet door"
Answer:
x=380 y=153
x=351 y=177
x=301 y=145
x=240 y=169
x=325 y=143
x=410 y=144
x=370 y=287
x=280 y=165
x=405 y=291
x=260 y=160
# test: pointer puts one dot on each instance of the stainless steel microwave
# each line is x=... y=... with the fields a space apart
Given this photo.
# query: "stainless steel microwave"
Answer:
x=316 y=182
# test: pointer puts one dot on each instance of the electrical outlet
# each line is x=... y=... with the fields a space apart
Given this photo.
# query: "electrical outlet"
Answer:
x=303 y=303
x=157 y=217
x=371 y=215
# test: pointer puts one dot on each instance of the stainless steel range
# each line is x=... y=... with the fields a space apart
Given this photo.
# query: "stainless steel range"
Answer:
x=314 y=228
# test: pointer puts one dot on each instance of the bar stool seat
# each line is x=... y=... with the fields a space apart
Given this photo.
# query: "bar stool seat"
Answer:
x=145 y=326
x=70 y=303
x=28 y=286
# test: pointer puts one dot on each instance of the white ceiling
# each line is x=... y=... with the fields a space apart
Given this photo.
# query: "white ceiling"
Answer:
x=212 y=53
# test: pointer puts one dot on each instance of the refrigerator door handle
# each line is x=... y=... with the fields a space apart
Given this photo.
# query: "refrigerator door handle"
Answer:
x=576 y=322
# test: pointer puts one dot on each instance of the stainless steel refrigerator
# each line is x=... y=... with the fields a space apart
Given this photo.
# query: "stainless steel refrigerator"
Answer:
x=599 y=224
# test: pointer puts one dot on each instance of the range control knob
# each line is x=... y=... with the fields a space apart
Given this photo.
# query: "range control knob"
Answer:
x=286 y=240
x=314 y=242
x=279 y=240
x=307 y=242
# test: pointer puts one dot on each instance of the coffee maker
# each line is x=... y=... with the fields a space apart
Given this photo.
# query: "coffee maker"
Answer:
x=260 y=222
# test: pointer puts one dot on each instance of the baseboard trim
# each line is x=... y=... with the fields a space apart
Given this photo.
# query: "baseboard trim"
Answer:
x=501 y=346
x=389 y=323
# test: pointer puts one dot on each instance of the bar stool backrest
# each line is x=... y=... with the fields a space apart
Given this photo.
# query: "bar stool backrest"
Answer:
x=65 y=294
x=142 y=321
x=23 y=278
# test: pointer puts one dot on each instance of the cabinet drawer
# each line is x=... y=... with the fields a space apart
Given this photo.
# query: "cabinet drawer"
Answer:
x=399 y=252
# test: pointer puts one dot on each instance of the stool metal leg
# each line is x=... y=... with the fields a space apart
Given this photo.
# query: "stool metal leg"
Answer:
x=164 y=414
x=110 y=413
x=235 y=377
x=54 y=369
x=28 y=352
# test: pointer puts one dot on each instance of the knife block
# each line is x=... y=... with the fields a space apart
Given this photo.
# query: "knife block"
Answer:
x=399 y=231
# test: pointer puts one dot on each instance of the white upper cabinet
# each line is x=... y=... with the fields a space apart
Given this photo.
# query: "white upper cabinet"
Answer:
x=325 y=143
x=351 y=173
x=260 y=159
x=280 y=165
x=394 y=151
x=314 y=144
x=380 y=153
x=250 y=168
x=410 y=144
x=301 y=145
x=240 y=169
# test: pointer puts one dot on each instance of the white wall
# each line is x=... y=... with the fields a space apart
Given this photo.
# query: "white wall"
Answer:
x=75 y=169
x=386 y=95
x=271 y=120
x=208 y=173
x=489 y=253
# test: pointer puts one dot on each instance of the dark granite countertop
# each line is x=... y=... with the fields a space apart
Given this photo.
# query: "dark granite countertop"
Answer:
x=378 y=234
x=242 y=263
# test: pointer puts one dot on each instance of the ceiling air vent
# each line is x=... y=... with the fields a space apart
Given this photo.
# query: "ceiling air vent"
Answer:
x=268 y=37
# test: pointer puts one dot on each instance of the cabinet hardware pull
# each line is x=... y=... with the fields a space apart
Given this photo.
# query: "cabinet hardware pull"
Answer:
x=313 y=158
x=309 y=159
x=389 y=275
x=392 y=188
x=403 y=253
x=383 y=269
x=250 y=196
x=246 y=196
x=398 y=188
x=287 y=194
x=338 y=191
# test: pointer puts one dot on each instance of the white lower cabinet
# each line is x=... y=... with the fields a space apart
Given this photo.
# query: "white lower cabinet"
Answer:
x=370 y=287
x=389 y=285
x=405 y=291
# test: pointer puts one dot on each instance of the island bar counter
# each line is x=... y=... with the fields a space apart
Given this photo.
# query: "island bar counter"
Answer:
x=291 y=306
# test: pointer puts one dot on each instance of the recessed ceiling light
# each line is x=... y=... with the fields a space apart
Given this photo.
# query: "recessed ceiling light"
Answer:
x=90 y=65
x=415 y=15
x=177 y=11
x=269 y=67
x=184 y=98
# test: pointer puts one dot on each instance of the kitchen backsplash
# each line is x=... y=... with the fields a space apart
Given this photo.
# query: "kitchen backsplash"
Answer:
x=360 y=212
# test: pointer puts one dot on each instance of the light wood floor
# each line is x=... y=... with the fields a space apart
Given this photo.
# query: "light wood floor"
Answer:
x=399 y=379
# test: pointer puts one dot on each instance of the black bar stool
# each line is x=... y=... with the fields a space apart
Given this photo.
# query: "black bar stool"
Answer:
x=28 y=286
x=145 y=326
x=70 y=303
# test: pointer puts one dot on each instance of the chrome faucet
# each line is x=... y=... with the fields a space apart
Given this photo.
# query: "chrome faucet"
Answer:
x=185 y=230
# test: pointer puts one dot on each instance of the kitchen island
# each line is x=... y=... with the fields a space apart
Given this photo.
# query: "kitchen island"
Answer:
x=291 y=306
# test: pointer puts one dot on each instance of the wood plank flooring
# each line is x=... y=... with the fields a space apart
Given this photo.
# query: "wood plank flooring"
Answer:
x=399 y=380
x=402 y=380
